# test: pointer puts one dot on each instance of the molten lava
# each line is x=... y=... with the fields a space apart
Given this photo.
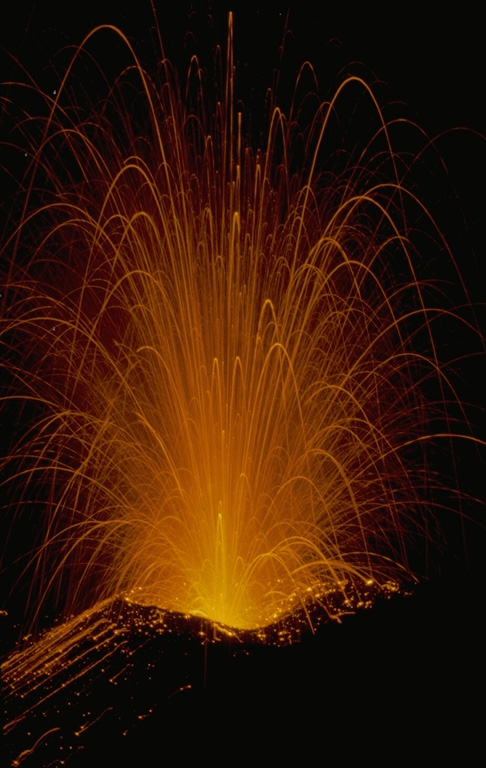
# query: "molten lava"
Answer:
x=227 y=364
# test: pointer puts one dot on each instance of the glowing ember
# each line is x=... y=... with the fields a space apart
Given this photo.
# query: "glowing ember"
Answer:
x=227 y=365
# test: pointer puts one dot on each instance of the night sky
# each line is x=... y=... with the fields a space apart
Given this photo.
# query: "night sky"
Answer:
x=408 y=671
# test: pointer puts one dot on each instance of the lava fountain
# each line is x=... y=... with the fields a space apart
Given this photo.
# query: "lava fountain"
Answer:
x=222 y=358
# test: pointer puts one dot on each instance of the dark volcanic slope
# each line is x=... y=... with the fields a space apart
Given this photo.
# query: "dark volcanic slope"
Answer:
x=125 y=682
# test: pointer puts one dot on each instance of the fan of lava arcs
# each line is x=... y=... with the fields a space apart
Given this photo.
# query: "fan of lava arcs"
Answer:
x=221 y=355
